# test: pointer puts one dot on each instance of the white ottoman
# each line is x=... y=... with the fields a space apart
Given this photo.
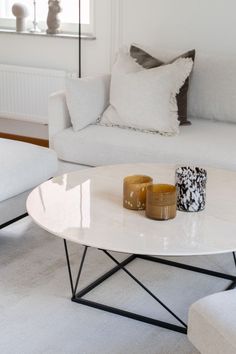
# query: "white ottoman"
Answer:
x=22 y=167
x=212 y=324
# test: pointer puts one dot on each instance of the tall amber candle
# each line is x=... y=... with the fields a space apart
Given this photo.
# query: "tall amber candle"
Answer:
x=161 y=202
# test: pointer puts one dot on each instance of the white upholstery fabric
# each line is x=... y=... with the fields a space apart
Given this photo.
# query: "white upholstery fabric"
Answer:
x=58 y=114
x=13 y=207
x=23 y=166
x=87 y=98
x=211 y=92
x=212 y=324
x=125 y=64
x=146 y=99
x=204 y=143
x=212 y=89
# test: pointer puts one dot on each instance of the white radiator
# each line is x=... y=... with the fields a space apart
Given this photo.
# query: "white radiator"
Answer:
x=24 y=92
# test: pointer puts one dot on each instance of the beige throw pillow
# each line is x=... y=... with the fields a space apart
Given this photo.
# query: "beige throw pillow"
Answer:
x=145 y=99
x=149 y=62
x=86 y=99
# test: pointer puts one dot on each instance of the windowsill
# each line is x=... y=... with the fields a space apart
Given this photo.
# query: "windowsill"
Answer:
x=44 y=34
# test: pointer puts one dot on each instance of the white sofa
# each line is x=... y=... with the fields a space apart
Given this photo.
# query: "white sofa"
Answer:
x=23 y=167
x=210 y=140
x=212 y=325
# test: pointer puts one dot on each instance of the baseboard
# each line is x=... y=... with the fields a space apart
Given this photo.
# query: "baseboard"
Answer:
x=26 y=139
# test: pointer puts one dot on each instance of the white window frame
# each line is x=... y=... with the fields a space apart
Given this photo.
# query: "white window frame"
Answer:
x=66 y=28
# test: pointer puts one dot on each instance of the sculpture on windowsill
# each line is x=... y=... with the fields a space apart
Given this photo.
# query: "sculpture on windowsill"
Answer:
x=20 y=11
x=53 y=20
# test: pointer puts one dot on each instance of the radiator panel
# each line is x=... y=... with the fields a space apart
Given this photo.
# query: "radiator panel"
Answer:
x=24 y=92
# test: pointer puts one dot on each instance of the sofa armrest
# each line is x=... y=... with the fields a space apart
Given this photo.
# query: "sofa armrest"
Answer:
x=58 y=115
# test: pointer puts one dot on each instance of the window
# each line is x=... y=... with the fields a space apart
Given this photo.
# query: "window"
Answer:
x=69 y=15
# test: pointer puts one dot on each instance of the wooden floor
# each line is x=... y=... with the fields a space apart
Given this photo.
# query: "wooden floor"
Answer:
x=26 y=139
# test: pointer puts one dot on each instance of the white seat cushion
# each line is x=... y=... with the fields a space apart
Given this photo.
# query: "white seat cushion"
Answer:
x=212 y=324
x=205 y=143
x=23 y=167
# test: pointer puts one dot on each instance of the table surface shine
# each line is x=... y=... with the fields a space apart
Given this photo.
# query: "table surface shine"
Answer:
x=86 y=207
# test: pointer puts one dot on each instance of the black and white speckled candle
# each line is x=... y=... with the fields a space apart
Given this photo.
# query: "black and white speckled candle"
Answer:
x=191 y=188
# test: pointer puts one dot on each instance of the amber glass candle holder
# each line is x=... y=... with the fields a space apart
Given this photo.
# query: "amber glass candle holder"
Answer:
x=134 y=192
x=161 y=202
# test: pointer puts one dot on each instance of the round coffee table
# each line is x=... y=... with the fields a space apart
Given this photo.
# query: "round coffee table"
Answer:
x=85 y=207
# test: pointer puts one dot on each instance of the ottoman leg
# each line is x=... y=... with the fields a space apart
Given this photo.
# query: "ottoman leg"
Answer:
x=13 y=220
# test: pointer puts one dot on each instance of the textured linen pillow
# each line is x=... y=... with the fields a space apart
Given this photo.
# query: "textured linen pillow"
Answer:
x=146 y=99
x=87 y=99
x=148 y=62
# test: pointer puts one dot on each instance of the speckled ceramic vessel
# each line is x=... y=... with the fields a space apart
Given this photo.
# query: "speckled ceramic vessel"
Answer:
x=191 y=188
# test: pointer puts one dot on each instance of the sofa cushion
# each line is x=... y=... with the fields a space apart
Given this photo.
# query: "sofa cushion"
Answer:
x=146 y=100
x=149 y=62
x=212 y=89
x=23 y=167
x=206 y=143
x=211 y=93
x=86 y=99
x=13 y=207
x=212 y=324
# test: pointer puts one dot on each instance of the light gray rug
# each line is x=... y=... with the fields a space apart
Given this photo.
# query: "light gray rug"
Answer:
x=37 y=316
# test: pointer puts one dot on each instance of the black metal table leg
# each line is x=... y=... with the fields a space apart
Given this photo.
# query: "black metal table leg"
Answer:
x=145 y=288
x=69 y=267
x=74 y=287
x=79 y=297
x=233 y=284
x=234 y=255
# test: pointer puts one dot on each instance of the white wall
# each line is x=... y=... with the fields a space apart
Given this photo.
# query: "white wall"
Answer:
x=57 y=53
x=207 y=25
x=60 y=53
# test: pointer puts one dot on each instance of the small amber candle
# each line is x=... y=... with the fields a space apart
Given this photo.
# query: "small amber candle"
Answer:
x=161 y=202
x=134 y=192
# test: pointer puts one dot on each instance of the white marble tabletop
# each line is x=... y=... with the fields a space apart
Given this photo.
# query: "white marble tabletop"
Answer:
x=86 y=207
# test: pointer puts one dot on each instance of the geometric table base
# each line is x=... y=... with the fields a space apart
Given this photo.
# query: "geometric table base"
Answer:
x=78 y=297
